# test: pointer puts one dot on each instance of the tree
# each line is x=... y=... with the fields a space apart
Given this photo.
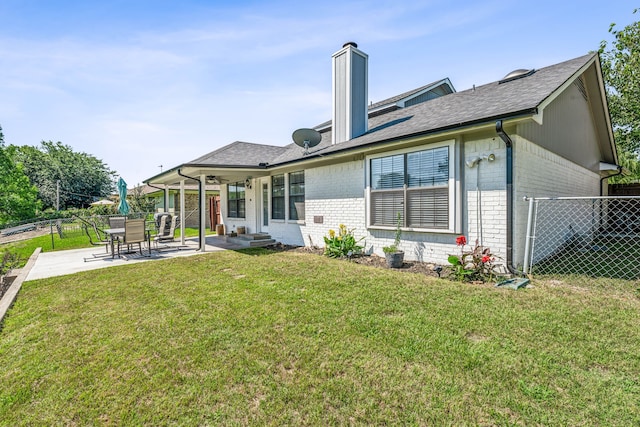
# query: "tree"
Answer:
x=621 y=72
x=139 y=202
x=18 y=198
x=82 y=177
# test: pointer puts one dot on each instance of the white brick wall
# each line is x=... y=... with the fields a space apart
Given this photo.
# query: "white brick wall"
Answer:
x=336 y=193
x=334 y=196
x=541 y=173
x=486 y=183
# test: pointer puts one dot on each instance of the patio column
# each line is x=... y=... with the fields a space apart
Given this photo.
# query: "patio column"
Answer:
x=165 y=202
x=203 y=211
x=182 y=213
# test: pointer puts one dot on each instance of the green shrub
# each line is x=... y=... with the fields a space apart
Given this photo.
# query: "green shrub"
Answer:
x=342 y=244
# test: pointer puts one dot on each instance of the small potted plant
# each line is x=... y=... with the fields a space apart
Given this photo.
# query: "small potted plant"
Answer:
x=393 y=255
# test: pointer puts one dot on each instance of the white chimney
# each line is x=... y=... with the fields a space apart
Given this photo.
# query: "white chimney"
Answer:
x=350 y=93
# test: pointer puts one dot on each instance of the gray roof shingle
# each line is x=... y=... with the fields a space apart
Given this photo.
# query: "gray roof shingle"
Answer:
x=484 y=103
x=238 y=154
x=480 y=104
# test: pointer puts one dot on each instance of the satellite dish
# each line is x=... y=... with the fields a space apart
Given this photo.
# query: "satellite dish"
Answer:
x=306 y=138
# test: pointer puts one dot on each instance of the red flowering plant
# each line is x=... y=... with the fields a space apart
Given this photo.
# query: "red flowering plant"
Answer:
x=474 y=264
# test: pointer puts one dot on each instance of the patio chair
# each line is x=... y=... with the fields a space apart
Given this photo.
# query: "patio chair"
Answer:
x=117 y=221
x=96 y=236
x=134 y=232
x=163 y=235
x=161 y=227
x=96 y=241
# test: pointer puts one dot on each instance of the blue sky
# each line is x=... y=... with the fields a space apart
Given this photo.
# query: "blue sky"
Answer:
x=141 y=84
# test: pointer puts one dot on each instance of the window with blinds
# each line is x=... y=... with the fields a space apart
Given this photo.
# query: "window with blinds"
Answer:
x=277 y=197
x=296 y=195
x=414 y=184
x=236 y=200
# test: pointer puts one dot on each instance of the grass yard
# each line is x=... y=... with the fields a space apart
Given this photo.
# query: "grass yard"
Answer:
x=615 y=258
x=290 y=338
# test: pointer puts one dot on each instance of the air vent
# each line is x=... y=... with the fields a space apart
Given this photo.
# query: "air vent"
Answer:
x=581 y=87
x=517 y=74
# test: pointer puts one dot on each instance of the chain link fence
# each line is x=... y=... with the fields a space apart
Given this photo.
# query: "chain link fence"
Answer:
x=597 y=237
x=61 y=232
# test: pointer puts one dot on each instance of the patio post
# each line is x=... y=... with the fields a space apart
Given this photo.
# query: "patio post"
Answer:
x=182 y=213
x=203 y=211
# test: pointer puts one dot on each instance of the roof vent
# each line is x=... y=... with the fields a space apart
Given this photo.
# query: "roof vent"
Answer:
x=517 y=74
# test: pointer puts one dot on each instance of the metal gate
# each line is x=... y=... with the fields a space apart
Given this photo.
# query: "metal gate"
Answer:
x=593 y=236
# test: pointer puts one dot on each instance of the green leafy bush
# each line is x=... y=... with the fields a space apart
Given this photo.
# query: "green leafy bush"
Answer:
x=342 y=244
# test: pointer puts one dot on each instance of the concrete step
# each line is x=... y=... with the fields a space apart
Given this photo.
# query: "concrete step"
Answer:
x=262 y=242
x=254 y=236
x=251 y=240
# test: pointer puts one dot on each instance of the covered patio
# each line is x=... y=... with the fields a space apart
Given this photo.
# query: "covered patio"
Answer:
x=221 y=167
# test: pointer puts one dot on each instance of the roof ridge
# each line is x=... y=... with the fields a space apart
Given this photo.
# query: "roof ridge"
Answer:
x=407 y=93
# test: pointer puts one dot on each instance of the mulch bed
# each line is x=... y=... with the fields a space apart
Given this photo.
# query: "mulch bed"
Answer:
x=370 y=260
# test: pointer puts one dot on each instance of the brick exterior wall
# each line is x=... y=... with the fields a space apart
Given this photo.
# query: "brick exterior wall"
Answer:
x=191 y=208
x=486 y=183
x=335 y=194
x=541 y=173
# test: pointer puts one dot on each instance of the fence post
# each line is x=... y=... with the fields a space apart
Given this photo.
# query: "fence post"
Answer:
x=527 y=243
x=53 y=246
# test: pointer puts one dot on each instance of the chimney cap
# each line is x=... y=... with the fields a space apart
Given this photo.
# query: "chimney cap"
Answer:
x=354 y=44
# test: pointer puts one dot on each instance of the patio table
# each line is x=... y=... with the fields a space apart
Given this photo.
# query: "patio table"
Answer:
x=113 y=234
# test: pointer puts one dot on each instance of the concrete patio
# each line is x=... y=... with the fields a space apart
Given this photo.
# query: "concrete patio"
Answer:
x=58 y=263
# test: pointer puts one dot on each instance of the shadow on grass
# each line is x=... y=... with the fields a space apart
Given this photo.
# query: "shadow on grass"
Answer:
x=610 y=258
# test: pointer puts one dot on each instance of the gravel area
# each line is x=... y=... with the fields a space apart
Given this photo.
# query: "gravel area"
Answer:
x=23 y=236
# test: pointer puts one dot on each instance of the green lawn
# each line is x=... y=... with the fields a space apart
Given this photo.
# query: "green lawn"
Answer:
x=615 y=258
x=289 y=338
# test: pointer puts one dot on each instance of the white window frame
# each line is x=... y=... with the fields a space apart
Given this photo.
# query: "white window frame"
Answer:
x=271 y=198
x=288 y=193
x=451 y=184
x=235 y=184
